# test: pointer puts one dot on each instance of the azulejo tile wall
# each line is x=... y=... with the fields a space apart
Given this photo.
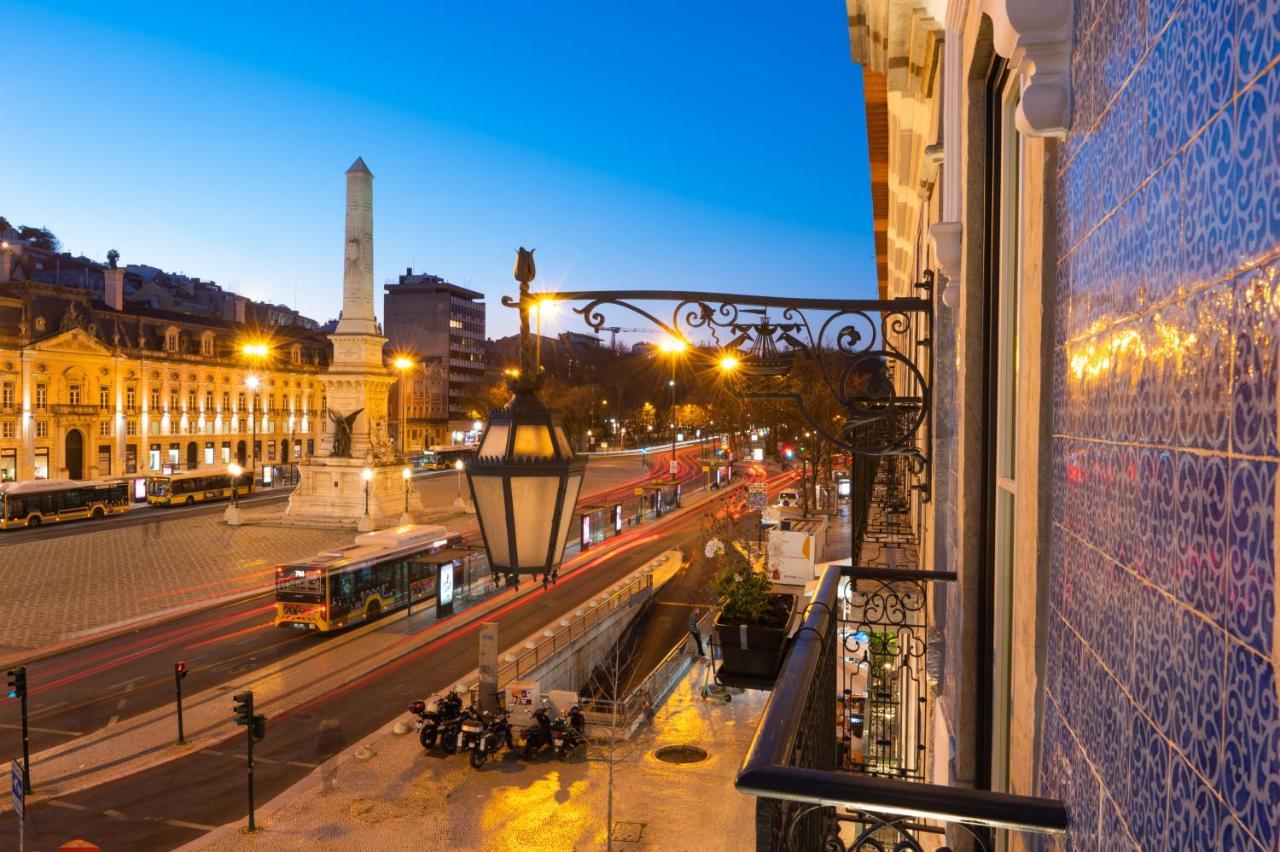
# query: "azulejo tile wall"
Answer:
x=1162 y=725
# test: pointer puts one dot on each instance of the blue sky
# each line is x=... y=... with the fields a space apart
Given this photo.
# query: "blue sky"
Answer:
x=675 y=145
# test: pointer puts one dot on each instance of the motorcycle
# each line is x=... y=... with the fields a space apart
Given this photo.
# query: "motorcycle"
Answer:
x=471 y=725
x=568 y=735
x=494 y=733
x=439 y=725
x=539 y=735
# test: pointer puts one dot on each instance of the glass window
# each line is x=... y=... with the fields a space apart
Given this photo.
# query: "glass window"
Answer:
x=131 y=427
x=8 y=465
x=9 y=429
x=73 y=393
x=42 y=463
x=104 y=398
x=130 y=398
x=42 y=396
x=104 y=428
x=42 y=429
x=6 y=395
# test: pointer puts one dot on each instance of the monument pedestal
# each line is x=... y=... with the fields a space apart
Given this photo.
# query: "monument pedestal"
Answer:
x=332 y=489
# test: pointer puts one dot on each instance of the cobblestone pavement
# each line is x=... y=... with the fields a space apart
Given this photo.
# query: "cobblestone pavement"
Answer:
x=60 y=587
x=71 y=584
x=443 y=804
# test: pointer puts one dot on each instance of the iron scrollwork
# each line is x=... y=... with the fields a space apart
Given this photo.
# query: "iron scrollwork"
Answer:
x=873 y=357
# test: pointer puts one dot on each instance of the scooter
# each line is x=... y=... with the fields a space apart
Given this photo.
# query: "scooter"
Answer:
x=494 y=733
x=569 y=734
x=432 y=724
x=539 y=735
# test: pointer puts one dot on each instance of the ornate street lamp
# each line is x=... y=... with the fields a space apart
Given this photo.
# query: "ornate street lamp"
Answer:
x=525 y=478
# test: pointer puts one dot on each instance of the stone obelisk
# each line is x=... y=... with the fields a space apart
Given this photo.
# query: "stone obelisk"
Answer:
x=355 y=467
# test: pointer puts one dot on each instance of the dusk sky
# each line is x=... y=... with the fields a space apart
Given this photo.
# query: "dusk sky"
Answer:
x=710 y=146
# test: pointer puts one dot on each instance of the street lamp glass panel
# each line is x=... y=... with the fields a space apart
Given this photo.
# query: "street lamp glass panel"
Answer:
x=491 y=509
x=729 y=363
x=366 y=474
x=563 y=442
x=403 y=363
x=495 y=440
x=566 y=515
x=252 y=382
x=533 y=442
x=672 y=345
x=533 y=498
x=406 y=473
x=458 y=465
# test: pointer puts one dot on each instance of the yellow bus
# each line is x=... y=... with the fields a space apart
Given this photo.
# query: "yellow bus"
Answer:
x=380 y=572
x=194 y=486
x=46 y=501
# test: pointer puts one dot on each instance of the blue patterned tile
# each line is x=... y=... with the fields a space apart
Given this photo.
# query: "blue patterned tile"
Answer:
x=1256 y=166
x=1258 y=37
x=1114 y=835
x=1166 y=129
x=1234 y=838
x=1251 y=604
x=1195 y=814
x=1154 y=615
x=1200 y=534
x=1251 y=755
x=1208 y=54
x=1256 y=372
x=1196 y=690
x=1210 y=226
x=1148 y=785
x=1162 y=226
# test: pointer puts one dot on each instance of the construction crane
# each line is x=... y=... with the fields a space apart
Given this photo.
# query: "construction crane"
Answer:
x=614 y=329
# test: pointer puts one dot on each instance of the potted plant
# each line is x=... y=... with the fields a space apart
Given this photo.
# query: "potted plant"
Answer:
x=751 y=625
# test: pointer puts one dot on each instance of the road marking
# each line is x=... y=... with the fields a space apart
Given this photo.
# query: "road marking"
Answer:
x=196 y=826
x=71 y=806
x=682 y=603
x=113 y=814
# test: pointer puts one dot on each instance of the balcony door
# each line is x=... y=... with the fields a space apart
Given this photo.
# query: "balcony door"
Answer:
x=75 y=454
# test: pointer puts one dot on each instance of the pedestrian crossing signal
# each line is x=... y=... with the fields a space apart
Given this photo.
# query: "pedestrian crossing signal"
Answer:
x=243 y=708
x=18 y=682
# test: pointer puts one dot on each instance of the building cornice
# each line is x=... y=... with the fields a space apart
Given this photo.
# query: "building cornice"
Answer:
x=1035 y=36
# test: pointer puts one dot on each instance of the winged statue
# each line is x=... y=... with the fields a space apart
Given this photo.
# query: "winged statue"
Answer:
x=342 y=426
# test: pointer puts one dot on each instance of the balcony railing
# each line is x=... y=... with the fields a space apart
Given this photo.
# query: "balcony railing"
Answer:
x=809 y=781
x=68 y=409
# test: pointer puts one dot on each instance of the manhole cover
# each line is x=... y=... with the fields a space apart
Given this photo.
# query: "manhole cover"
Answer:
x=680 y=754
x=627 y=832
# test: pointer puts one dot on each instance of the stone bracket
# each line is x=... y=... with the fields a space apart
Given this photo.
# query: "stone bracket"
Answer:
x=1035 y=36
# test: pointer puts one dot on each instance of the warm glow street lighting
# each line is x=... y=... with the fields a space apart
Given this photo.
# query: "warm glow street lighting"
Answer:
x=366 y=475
x=729 y=363
x=406 y=475
x=255 y=350
x=403 y=365
x=458 y=466
x=235 y=470
x=252 y=384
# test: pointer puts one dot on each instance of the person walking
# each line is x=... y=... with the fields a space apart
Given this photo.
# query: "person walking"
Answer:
x=696 y=632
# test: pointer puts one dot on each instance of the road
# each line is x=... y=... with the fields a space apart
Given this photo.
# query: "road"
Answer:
x=175 y=802
x=87 y=688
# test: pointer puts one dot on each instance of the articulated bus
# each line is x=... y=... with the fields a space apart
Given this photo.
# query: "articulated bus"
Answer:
x=194 y=486
x=380 y=572
x=445 y=456
x=45 y=501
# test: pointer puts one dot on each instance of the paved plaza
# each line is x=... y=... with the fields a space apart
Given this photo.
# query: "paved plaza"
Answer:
x=67 y=585
x=401 y=792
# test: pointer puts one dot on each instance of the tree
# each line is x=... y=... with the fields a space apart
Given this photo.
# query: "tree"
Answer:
x=39 y=237
x=5 y=227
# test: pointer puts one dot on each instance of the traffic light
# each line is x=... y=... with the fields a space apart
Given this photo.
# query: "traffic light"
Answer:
x=259 y=727
x=243 y=708
x=18 y=682
x=789 y=451
x=180 y=669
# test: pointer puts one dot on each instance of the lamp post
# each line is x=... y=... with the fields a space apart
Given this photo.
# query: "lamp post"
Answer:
x=232 y=515
x=673 y=347
x=524 y=478
x=407 y=475
x=403 y=366
x=252 y=383
x=366 y=520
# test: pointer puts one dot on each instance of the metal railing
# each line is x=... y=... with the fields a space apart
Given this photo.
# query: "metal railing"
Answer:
x=793 y=766
x=580 y=624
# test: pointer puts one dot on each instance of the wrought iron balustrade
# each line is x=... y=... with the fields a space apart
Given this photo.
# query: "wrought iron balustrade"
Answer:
x=864 y=636
x=67 y=409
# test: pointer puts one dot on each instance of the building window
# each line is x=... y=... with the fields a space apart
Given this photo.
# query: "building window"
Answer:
x=295 y=354
x=8 y=465
x=173 y=401
x=242 y=430
x=104 y=429
x=73 y=394
x=240 y=403
x=131 y=428
x=8 y=430
x=42 y=397
x=6 y=395
x=171 y=339
x=155 y=427
x=208 y=400
x=226 y=401
x=155 y=399
x=453 y=323
x=42 y=429
x=130 y=398
x=104 y=398
x=42 y=463
x=191 y=400
x=206 y=343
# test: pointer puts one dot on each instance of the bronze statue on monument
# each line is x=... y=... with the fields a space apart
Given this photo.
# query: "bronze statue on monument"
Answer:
x=342 y=426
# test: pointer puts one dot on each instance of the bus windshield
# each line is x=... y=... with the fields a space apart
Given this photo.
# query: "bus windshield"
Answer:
x=299 y=584
x=158 y=487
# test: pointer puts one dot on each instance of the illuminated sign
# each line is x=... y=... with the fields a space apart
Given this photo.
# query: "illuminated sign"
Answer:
x=446 y=584
x=586 y=531
x=617 y=518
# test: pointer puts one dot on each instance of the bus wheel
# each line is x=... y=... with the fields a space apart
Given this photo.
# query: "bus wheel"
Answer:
x=98 y=514
x=191 y=501
x=374 y=612
x=33 y=521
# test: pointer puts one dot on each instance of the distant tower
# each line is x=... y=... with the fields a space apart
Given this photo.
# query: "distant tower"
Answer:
x=357 y=275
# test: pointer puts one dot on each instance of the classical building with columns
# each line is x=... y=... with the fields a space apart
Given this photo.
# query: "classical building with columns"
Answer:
x=95 y=388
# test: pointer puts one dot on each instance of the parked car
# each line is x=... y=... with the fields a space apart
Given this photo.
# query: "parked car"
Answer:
x=789 y=499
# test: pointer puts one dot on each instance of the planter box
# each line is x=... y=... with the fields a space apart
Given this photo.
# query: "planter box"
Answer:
x=750 y=654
